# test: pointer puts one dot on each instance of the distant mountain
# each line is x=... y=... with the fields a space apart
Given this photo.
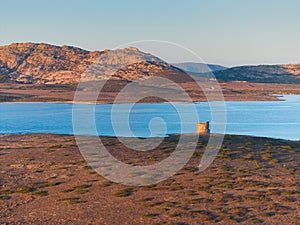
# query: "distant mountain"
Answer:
x=48 y=64
x=32 y=63
x=198 y=67
x=286 y=74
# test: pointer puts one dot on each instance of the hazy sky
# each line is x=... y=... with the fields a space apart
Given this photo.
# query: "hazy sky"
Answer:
x=228 y=32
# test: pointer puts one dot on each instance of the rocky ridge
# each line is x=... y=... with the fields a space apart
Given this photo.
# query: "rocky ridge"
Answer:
x=32 y=63
x=283 y=74
x=38 y=63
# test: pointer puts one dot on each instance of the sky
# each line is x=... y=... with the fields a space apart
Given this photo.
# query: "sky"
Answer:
x=227 y=32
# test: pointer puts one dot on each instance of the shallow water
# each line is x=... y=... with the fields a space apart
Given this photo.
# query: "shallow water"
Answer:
x=277 y=119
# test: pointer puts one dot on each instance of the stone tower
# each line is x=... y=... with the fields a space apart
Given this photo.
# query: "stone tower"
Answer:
x=202 y=128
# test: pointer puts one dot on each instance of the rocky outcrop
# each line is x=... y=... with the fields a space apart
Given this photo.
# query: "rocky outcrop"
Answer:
x=48 y=64
x=292 y=69
x=42 y=63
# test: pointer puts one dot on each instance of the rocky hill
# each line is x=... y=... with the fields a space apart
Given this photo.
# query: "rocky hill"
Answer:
x=284 y=74
x=32 y=63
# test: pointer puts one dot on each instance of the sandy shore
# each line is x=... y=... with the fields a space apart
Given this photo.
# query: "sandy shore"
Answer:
x=232 y=91
x=45 y=180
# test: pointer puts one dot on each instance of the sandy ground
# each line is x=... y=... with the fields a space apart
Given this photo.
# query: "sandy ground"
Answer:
x=45 y=180
x=232 y=91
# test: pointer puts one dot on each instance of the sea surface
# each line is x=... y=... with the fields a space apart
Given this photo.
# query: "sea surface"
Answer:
x=276 y=119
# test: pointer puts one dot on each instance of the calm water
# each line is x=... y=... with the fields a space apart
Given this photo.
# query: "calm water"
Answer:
x=279 y=119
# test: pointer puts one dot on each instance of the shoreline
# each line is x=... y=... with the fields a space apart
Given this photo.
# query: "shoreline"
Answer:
x=231 y=91
x=167 y=136
x=279 y=97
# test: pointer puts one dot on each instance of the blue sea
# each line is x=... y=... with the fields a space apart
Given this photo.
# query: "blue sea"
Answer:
x=276 y=119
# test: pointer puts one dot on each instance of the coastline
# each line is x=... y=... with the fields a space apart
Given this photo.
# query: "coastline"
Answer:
x=46 y=177
x=231 y=92
x=278 y=97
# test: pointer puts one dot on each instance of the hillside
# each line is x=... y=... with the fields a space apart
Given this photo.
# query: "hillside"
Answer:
x=32 y=63
x=284 y=74
x=199 y=67
x=45 y=180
